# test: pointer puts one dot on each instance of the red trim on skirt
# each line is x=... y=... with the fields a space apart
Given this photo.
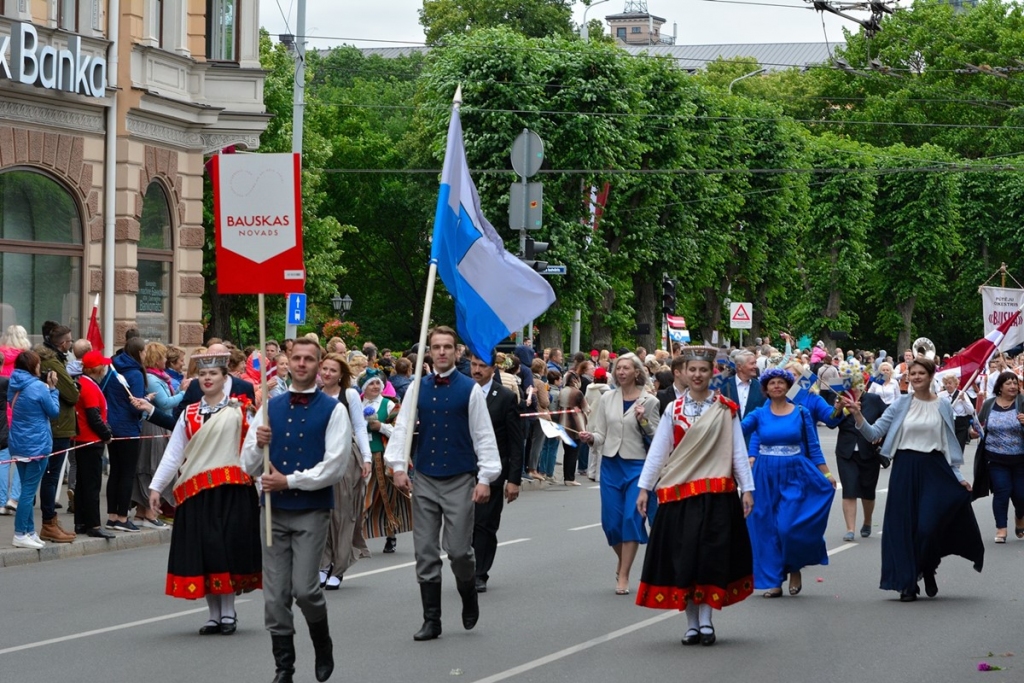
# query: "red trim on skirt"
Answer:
x=672 y=597
x=670 y=494
x=230 y=474
x=222 y=583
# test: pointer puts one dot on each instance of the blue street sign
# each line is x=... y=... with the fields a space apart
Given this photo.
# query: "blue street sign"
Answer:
x=554 y=270
x=296 y=309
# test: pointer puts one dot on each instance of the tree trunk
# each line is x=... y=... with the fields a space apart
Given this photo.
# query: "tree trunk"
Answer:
x=600 y=332
x=220 y=315
x=550 y=336
x=647 y=312
x=906 y=310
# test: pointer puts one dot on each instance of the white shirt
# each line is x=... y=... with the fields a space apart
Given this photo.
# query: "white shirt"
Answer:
x=962 y=406
x=889 y=391
x=338 y=441
x=355 y=414
x=662 y=447
x=742 y=392
x=480 y=431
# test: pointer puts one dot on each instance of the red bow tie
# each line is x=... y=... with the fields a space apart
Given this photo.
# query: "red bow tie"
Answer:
x=440 y=381
x=300 y=399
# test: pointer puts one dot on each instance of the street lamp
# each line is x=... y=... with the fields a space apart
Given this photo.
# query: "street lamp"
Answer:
x=342 y=304
x=585 y=30
x=752 y=73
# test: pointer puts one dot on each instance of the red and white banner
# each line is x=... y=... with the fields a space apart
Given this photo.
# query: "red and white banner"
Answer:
x=258 y=213
x=968 y=363
x=999 y=304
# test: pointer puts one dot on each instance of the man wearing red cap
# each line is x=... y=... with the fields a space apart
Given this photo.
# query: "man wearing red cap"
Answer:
x=93 y=434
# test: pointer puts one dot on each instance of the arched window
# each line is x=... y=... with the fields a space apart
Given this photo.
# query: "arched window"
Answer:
x=40 y=253
x=156 y=257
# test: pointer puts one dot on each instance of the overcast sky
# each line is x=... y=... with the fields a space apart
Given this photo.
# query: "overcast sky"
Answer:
x=374 y=22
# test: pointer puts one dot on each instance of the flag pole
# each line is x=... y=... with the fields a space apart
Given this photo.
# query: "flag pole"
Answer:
x=414 y=393
x=263 y=410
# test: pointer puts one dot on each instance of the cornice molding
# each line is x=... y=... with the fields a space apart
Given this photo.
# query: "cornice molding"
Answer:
x=58 y=117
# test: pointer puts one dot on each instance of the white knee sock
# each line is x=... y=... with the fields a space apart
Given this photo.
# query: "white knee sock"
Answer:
x=227 y=605
x=213 y=603
x=691 y=616
x=705 y=615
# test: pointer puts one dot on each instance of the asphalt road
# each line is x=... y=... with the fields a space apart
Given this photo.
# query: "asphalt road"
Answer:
x=550 y=614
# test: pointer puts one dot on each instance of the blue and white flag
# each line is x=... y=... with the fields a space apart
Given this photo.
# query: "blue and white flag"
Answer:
x=495 y=293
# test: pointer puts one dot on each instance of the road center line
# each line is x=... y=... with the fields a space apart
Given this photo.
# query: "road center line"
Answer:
x=562 y=654
x=836 y=551
x=108 y=629
x=588 y=526
x=405 y=565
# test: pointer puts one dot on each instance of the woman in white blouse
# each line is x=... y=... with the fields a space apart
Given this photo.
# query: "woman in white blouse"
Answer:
x=928 y=512
x=620 y=425
x=889 y=389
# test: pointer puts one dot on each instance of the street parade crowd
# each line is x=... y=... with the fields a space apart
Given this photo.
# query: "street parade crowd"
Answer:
x=709 y=456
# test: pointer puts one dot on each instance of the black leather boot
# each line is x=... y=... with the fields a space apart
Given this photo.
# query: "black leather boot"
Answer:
x=470 y=603
x=284 y=657
x=430 y=595
x=324 y=649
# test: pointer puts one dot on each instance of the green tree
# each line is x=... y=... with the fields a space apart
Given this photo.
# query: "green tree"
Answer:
x=444 y=19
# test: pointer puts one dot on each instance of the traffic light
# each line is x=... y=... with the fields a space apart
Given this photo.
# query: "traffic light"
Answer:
x=533 y=247
x=668 y=296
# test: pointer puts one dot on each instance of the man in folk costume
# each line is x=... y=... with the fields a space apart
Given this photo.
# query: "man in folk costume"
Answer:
x=456 y=458
x=310 y=438
x=699 y=556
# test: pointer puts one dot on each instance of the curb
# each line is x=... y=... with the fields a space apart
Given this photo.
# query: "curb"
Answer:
x=82 y=546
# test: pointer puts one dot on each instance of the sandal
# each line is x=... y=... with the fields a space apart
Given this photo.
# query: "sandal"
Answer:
x=1017 y=528
x=622 y=591
x=773 y=593
x=1000 y=539
x=795 y=590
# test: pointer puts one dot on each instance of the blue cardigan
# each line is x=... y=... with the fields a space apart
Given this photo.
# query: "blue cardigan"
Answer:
x=892 y=419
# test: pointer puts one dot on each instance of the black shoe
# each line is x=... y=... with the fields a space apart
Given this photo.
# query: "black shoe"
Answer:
x=389 y=544
x=228 y=625
x=692 y=637
x=707 y=635
x=284 y=658
x=210 y=628
x=430 y=595
x=324 y=649
x=931 y=589
x=98 y=532
x=481 y=585
x=908 y=596
x=470 y=604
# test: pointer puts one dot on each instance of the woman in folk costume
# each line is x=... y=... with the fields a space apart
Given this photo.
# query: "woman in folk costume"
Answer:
x=795 y=487
x=388 y=510
x=699 y=557
x=345 y=535
x=215 y=543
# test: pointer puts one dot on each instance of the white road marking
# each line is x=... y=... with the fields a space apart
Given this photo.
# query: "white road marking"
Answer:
x=882 y=491
x=562 y=654
x=836 y=551
x=594 y=487
x=404 y=565
x=108 y=629
x=581 y=528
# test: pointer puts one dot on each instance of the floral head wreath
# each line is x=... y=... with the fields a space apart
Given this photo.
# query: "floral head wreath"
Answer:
x=772 y=373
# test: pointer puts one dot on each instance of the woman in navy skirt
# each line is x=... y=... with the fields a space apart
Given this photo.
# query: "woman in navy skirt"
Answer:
x=928 y=512
x=794 y=486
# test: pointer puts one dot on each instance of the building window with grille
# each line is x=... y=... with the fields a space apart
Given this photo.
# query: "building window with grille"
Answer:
x=620 y=33
x=221 y=30
x=67 y=15
x=156 y=260
x=40 y=253
x=635 y=29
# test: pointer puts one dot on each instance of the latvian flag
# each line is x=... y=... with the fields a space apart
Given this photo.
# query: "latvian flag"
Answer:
x=966 y=364
x=677 y=331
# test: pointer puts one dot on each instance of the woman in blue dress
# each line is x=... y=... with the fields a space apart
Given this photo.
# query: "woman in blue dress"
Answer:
x=795 y=489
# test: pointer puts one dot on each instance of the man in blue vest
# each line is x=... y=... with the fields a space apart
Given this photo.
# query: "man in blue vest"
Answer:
x=310 y=439
x=456 y=459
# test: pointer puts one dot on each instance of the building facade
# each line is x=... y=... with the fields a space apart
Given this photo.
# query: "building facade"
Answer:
x=106 y=126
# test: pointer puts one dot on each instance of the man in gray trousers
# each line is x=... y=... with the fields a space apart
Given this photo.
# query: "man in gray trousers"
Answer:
x=310 y=438
x=456 y=459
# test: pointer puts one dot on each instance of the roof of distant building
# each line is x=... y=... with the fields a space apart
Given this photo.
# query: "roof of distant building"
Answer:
x=772 y=56
x=627 y=16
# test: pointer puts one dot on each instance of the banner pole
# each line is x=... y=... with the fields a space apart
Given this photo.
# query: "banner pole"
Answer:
x=263 y=408
x=420 y=354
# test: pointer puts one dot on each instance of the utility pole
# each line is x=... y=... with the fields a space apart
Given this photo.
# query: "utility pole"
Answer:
x=298 y=106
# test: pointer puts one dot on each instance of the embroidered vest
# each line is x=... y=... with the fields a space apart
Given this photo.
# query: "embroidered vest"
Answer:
x=298 y=443
x=444 y=447
x=376 y=438
x=701 y=460
x=211 y=456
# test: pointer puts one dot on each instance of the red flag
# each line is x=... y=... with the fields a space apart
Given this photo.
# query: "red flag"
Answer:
x=94 y=335
x=968 y=362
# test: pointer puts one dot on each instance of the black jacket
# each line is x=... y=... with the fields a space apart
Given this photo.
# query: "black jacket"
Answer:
x=848 y=437
x=666 y=396
x=503 y=406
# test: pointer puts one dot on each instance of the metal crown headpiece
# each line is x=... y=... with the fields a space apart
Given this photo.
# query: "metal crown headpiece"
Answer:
x=205 y=361
x=704 y=353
